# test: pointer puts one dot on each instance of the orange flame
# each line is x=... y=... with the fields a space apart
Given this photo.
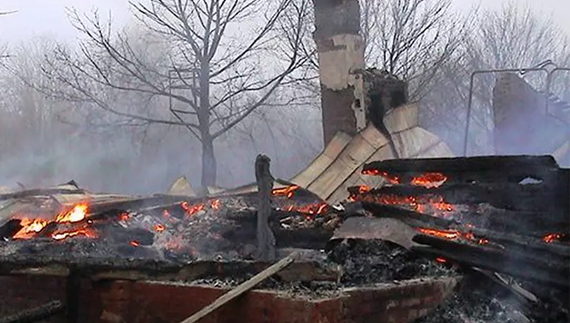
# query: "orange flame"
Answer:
x=159 y=228
x=429 y=180
x=29 y=228
x=76 y=214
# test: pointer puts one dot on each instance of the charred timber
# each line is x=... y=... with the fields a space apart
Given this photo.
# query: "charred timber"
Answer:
x=536 y=197
x=524 y=244
x=520 y=265
x=265 y=237
x=498 y=169
x=411 y=218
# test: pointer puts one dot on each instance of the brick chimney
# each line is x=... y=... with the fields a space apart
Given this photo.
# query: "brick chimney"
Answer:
x=341 y=61
x=521 y=124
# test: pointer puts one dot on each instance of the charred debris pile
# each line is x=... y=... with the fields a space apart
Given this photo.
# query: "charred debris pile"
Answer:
x=501 y=223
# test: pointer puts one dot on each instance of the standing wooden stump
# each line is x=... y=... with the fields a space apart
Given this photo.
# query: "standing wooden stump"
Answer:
x=265 y=237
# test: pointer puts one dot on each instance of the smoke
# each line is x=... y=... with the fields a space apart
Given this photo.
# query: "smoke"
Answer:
x=145 y=160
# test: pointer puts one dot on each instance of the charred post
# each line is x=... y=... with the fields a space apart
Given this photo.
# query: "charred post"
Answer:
x=265 y=237
x=341 y=57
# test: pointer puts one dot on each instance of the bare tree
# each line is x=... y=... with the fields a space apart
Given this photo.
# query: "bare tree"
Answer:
x=412 y=39
x=227 y=46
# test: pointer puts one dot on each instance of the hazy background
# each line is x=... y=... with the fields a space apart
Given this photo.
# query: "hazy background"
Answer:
x=46 y=140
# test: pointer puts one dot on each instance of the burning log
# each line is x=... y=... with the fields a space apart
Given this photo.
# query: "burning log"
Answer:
x=39 y=313
x=265 y=237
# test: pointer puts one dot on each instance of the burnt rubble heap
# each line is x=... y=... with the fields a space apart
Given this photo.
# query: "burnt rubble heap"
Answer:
x=500 y=222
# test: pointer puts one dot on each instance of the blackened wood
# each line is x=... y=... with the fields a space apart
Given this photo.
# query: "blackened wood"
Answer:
x=35 y=314
x=73 y=295
x=10 y=228
x=265 y=238
x=411 y=218
x=497 y=169
x=524 y=243
x=242 y=288
x=519 y=265
x=462 y=164
x=536 y=197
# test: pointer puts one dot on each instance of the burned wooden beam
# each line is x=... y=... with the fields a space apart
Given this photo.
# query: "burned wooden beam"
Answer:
x=504 y=196
x=35 y=314
x=474 y=170
x=265 y=237
x=411 y=218
x=483 y=164
x=531 y=267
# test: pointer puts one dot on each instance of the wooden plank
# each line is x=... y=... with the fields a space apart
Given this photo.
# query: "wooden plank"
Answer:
x=242 y=288
x=324 y=160
x=374 y=137
x=410 y=142
x=341 y=193
x=356 y=178
x=402 y=118
x=352 y=157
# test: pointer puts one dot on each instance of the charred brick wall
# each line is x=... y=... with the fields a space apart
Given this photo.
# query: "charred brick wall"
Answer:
x=143 y=302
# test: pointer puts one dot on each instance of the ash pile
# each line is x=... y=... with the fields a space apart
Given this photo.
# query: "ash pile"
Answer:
x=501 y=223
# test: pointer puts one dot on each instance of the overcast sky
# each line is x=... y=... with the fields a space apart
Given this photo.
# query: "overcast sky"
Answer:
x=48 y=17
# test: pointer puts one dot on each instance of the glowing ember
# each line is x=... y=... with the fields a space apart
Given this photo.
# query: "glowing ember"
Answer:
x=429 y=180
x=419 y=204
x=159 y=228
x=81 y=232
x=215 y=204
x=135 y=243
x=192 y=209
x=553 y=237
x=441 y=260
x=124 y=216
x=311 y=209
x=78 y=213
x=447 y=234
x=288 y=191
x=388 y=177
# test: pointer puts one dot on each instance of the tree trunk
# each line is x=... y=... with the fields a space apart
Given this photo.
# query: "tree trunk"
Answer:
x=209 y=167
